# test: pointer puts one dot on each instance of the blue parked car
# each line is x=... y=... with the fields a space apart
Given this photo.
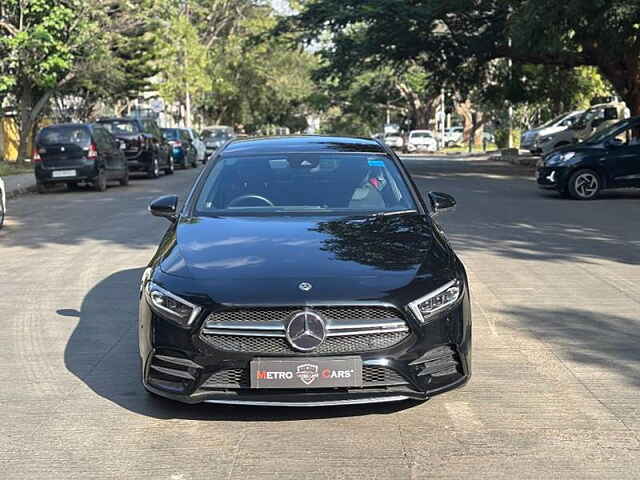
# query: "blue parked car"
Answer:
x=183 y=151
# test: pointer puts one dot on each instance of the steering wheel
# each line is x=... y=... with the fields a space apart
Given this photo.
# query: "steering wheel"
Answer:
x=241 y=198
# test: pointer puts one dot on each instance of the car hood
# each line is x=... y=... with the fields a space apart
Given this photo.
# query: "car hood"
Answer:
x=421 y=141
x=265 y=259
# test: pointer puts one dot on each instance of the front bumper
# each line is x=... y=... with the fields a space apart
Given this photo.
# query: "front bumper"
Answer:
x=180 y=365
x=551 y=178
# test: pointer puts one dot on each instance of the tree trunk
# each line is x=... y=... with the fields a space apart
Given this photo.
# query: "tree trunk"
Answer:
x=464 y=109
x=25 y=105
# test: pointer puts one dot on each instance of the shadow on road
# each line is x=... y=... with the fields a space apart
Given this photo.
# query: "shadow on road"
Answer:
x=592 y=340
x=102 y=352
x=63 y=217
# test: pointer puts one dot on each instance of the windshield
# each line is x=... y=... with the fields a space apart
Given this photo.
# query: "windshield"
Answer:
x=421 y=135
x=602 y=135
x=68 y=134
x=553 y=120
x=302 y=183
x=120 y=127
x=170 y=134
x=216 y=134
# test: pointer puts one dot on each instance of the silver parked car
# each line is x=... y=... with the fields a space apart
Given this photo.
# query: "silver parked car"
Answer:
x=530 y=139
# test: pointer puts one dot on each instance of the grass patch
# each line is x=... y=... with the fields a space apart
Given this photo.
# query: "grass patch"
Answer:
x=7 y=169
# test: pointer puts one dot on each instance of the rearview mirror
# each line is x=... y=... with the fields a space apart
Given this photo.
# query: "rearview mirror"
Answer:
x=441 y=202
x=166 y=206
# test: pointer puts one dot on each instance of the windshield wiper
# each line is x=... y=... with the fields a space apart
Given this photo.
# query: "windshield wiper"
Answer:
x=395 y=212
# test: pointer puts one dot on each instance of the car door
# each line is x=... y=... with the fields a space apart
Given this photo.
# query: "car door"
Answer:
x=185 y=138
x=118 y=161
x=159 y=141
x=105 y=153
x=623 y=158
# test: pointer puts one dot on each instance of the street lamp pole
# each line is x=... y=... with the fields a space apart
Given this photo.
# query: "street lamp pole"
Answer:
x=187 y=101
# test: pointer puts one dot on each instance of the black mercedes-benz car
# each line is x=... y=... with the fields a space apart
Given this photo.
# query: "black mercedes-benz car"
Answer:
x=609 y=159
x=304 y=271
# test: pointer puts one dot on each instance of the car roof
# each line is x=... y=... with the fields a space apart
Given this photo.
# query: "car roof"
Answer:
x=303 y=143
x=116 y=119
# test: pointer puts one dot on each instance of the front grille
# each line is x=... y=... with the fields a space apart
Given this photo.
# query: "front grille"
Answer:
x=350 y=329
x=279 y=345
x=282 y=314
x=231 y=378
x=372 y=376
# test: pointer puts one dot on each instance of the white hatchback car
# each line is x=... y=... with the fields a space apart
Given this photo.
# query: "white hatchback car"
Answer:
x=421 y=141
x=3 y=202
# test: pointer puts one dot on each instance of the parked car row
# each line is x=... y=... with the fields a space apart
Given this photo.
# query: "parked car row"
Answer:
x=110 y=150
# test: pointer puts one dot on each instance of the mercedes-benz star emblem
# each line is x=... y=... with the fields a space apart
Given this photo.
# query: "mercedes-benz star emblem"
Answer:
x=305 y=286
x=306 y=331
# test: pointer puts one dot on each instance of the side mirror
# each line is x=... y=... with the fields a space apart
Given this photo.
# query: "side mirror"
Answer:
x=615 y=142
x=166 y=207
x=441 y=202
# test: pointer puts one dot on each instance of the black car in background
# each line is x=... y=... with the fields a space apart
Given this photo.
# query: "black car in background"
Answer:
x=609 y=159
x=183 y=152
x=304 y=271
x=78 y=153
x=145 y=148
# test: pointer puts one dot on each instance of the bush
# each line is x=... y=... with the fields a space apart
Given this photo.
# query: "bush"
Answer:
x=502 y=135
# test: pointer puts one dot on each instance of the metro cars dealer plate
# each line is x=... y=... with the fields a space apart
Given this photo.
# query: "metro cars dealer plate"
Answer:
x=63 y=173
x=322 y=372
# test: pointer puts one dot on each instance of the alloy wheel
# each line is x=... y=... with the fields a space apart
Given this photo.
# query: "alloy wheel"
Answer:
x=586 y=185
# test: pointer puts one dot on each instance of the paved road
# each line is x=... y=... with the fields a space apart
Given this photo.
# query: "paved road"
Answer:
x=556 y=386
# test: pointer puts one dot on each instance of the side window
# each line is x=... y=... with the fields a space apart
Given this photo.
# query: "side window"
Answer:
x=630 y=137
x=184 y=136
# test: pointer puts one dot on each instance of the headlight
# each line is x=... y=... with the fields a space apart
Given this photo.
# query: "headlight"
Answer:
x=545 y=139
x=436 y=301
x=560 y=159
x=171 y=306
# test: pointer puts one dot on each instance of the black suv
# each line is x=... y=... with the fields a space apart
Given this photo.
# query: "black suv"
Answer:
x=77 y=152
x=145 y=148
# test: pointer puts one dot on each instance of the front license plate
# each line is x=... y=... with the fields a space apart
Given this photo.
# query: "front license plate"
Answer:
x=322 y=372
x=64 y=173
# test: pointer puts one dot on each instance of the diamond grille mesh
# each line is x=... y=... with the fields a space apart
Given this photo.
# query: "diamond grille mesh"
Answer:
x=279 y=345
x=239 y=378
x=329 y=313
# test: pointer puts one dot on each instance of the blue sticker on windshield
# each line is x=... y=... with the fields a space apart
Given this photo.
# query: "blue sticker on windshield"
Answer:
x=376 y=163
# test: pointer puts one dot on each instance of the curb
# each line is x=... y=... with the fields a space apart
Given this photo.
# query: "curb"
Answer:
x=16 y=192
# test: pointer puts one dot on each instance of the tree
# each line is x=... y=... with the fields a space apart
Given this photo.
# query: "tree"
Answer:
x=460 y=41
x=40 y=43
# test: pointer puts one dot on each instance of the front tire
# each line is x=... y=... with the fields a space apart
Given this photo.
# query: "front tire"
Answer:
x=154 y=169
x=171 y=168
x=584 y=185
x=124 y=181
